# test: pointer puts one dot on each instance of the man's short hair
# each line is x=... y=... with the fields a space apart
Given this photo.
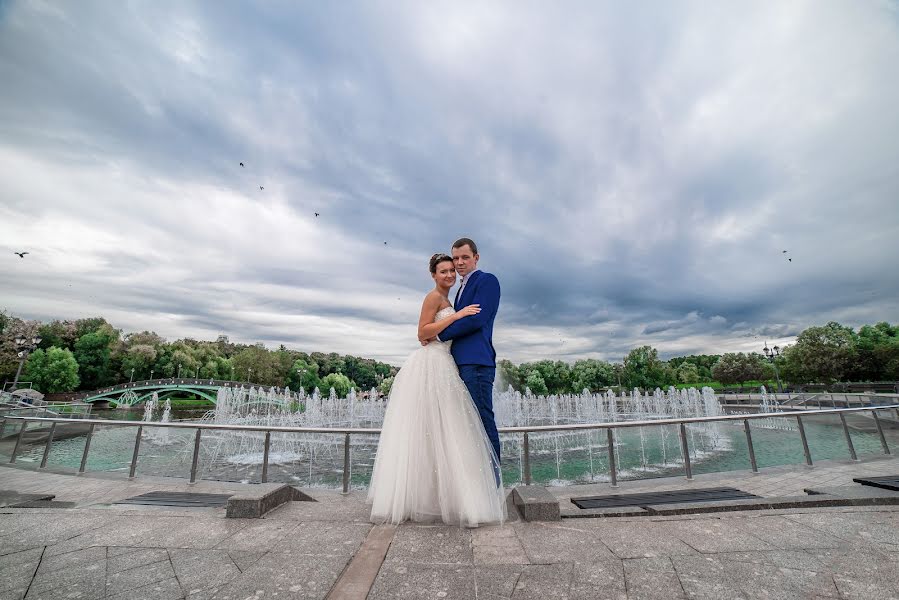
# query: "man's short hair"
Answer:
x=466 y=241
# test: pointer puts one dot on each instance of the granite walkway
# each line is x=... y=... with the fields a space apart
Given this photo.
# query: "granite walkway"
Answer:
x=99 y=549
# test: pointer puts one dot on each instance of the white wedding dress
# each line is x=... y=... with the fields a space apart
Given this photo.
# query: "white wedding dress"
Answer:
x=434 y=460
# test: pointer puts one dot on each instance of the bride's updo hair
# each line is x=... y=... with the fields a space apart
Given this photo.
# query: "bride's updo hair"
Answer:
x=437 y=259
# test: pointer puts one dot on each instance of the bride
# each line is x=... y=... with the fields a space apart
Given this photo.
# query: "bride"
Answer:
x=434 y=459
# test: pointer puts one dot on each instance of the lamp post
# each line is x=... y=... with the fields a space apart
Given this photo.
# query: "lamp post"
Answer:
x=151 y=374
x=24 y=347
x=197 y=374
x=771 y=354
x=249 y=372
x=179 y=371
x=232 y=372
x=132 y=375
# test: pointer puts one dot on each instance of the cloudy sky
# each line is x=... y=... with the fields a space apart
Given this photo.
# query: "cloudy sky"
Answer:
x=632 y=174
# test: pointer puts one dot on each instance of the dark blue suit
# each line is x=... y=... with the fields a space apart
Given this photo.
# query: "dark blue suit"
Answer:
x=473 y=346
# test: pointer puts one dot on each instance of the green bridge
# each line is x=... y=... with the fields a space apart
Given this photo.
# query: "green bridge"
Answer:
x=135 y=392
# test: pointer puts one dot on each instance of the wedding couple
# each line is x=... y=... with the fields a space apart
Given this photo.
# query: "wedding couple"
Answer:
x=438 y=455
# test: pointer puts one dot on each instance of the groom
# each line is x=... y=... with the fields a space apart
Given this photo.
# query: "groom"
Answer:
x=473 y=336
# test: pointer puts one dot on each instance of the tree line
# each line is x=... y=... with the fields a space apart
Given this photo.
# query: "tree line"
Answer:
x=88 y=354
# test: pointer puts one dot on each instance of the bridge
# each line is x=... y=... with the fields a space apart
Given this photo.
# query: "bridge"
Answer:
x=135 y=392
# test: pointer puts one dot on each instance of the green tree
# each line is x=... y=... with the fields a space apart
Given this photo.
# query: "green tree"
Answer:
x=53 y=370
x=688 y=372
x=92 y=351
x=536 y=383
x=340 y=383
x=386 y=385
x=509 y=374
x=738 y=367
x=591 y=374
x=821 y=354
x=263 y=368
x=643 y=369
x=304 y=375
x=877 y=353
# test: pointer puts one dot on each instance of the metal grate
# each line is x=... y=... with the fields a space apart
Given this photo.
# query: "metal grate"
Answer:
x=672 y=497
x=178 y=499
x=888 y=483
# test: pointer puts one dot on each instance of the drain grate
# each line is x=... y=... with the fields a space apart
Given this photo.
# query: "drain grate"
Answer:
x=890 y=482
x=178 y=499
x=672 y=497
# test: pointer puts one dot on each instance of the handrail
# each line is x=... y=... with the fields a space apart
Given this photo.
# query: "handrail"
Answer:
x=526 y=430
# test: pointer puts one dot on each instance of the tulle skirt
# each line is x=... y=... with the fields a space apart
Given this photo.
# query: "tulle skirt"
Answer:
x=434 y=460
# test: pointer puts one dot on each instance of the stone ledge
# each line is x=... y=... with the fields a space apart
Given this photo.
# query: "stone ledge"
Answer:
x=591 y=513
x=536 y=503
x=852 y=491
x=262 y=499
x=772 y=503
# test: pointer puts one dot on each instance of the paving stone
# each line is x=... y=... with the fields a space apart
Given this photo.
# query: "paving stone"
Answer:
x=139 y=577
x=76 y=559
x=139 y=558
x=257 y=535
x=285 y=576
x=433 y=544
x=547 y=543
x=16 y=570
x=341 y=539
x=601 y=579
x=638 y=540
x=716 y=535
x=858 y=527
x=167 y=589
x=544 y=582
x=414 y=581
x=781 y=532
x=244 y=559
x=198 y=570
x=497 y=546
x=862 y=573
x=83 y=582
x=182 y=532
x=496 y=581
x=652 y=578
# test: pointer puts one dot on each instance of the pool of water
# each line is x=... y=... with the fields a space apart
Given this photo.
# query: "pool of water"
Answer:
x=555 y=459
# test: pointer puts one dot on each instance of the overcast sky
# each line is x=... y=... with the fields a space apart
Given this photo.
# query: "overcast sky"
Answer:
x=632 y=172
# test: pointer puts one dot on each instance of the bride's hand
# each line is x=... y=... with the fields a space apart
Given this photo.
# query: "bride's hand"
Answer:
x=471 y=309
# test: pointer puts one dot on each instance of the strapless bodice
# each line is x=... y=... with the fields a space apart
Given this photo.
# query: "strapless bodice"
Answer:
x=444 y=313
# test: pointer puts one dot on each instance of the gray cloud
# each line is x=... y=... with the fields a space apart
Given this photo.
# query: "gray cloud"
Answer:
x=631 y=174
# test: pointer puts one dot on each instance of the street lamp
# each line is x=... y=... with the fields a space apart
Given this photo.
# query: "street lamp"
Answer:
x=132 y=375
x=179 y=370
x=232 y=372
x=151 y=374
x=197 y=374
x=771 y=354
x=24 y=347
x=249 y=372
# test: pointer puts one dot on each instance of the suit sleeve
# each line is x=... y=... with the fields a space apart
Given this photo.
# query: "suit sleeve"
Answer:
x=487 y=295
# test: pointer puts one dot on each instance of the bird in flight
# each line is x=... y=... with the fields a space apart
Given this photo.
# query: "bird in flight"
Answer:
x=261 y=188
x=241 y=164
x=385 y=243
x=316 y=214
x=783 y=252
x=21 y=254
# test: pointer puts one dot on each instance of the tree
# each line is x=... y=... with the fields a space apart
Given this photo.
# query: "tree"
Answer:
x=822 y=354
x=509 y=375
x=536 y=383
x=303 y=375
x=877 y=349
x=340 y=383
x=591 y=374
x=92 y=351
x=738 y=367
x=643 y=369
x=53 y=370
x=687 y=372
x=259 y=365
x=386 y=385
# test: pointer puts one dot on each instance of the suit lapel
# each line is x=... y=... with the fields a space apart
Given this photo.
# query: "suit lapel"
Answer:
x=460 y=300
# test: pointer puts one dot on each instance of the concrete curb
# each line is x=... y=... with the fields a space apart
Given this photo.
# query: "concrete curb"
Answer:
x=265 y=498
x=536 y=503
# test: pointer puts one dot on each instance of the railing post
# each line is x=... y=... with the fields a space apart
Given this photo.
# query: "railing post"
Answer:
x=527 y=459
x=265 y=450
x=196 y=456
x=346 y=464
x=613 y=470
x=755 y=467
x=808 y=454
x=15 y=449
x=2 y=427
x=87 y=447
x=686 y=449
x=140 y=431
x=47 y=447
x=883 y=439
x=848 y=437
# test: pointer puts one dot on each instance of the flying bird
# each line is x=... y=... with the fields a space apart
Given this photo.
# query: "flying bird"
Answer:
x=385 y=243
x=790 y=259
x=22 y=254
x=241 y=164
x=261 y=188
x=316 y=214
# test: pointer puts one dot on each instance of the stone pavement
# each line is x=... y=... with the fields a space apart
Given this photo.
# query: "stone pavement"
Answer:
x=301 y=550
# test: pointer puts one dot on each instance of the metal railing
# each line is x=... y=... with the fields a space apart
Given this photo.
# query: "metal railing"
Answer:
x=526 y=431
